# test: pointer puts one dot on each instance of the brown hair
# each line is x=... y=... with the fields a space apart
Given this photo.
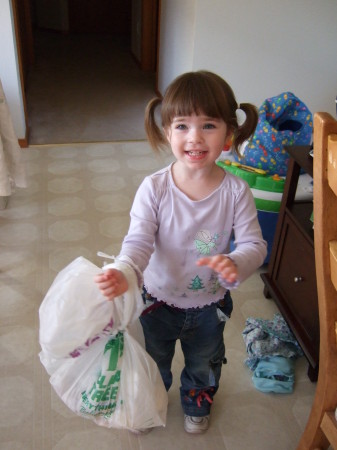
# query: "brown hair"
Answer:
x=199 y=92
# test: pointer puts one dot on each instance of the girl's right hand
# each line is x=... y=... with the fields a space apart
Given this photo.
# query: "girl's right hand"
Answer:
x=112 y=283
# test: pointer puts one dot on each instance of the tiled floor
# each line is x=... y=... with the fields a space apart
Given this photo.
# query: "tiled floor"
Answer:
x=77 y=202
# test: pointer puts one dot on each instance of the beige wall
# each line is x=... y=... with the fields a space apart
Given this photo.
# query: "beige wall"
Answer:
x=177 y=32
x=261 y=47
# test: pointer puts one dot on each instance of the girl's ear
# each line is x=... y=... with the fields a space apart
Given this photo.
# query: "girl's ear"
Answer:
x=167 y=133
x=229 y=140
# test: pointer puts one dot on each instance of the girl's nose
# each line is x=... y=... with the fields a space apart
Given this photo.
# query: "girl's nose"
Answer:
x=195 y=135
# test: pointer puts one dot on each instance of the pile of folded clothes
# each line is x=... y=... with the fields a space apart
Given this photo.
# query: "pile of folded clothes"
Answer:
x=272 y=350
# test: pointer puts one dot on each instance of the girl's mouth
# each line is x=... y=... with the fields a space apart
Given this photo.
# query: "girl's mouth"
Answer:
x=194 y=153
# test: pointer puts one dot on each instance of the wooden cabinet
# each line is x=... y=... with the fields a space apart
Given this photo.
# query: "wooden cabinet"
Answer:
x=291 y=276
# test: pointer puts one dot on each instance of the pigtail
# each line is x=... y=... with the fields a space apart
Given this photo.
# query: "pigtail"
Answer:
x=246 y=130
x=199 y=92
x=154 y=134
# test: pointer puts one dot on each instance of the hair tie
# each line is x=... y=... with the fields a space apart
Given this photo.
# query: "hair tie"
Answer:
x=240 y=116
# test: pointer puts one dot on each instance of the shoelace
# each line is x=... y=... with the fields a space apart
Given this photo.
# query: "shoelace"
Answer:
x=203 y=395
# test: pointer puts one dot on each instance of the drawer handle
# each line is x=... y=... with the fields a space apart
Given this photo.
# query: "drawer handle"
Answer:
x=298 y=279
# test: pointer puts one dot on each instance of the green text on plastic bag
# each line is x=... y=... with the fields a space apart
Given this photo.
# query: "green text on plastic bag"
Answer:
x=101 y=398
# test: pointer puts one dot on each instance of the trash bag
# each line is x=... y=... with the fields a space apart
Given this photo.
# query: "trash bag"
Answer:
x=93 y=350
x=284 y=120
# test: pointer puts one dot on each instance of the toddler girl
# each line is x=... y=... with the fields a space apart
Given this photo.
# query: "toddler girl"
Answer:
x=178 y=243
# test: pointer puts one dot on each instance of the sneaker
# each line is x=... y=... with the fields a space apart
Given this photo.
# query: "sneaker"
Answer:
x=196 y=424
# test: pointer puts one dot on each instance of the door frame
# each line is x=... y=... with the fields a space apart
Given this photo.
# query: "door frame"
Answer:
x=25 y=52
x=151 y=10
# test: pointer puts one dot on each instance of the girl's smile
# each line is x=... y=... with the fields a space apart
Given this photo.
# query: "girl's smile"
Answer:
x=196 y=155
x=197 y=139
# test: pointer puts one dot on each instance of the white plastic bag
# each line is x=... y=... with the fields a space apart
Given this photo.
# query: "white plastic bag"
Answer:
x=72 y=298
x=97 y=366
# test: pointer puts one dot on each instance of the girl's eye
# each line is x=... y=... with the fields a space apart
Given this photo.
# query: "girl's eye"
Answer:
x=209 y=126
x=180 y=126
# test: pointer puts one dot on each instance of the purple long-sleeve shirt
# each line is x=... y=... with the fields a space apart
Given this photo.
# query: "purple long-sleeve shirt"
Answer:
x=169 y=232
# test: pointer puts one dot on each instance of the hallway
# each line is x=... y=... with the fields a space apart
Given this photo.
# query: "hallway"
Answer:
x=86 y=88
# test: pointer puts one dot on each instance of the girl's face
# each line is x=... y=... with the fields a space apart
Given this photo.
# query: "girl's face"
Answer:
x=197 y=140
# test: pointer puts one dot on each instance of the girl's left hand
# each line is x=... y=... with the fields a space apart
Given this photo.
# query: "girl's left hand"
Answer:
x=222 y=265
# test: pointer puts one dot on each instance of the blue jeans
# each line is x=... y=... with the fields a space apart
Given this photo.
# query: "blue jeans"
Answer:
x=200 y=331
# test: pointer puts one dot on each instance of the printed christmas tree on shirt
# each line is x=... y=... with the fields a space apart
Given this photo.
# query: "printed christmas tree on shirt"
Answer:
x=196 y=284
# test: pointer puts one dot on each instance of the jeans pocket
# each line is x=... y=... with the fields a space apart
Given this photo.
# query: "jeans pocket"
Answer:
x=151 y=303
x=225 y=307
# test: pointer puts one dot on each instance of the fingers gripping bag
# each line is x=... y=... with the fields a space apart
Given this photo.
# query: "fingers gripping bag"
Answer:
x=94 y=352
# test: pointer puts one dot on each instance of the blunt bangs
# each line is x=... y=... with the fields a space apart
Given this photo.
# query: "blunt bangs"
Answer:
x=197 y=93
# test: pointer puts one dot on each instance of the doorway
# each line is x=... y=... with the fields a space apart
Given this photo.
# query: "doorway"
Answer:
x=89 y=72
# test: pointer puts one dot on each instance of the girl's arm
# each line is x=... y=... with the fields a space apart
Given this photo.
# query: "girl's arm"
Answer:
x=250 y=248
x=138 y=244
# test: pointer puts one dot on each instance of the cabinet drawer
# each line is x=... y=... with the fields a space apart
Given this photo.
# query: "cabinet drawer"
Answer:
x=295 y=276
